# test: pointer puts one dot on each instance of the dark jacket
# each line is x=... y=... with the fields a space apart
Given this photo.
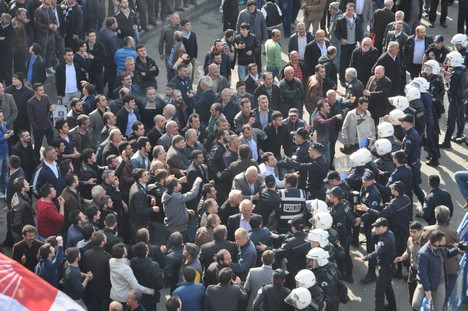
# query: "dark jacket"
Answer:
x=122 y=119
x=408 y=49
x=60 y=78
x=341 y=30
x=174 y=259
x=294 y=249
x=436 y=197
x=393 y=71
x=27 y=158
x=38 y=71
x=293 y=44
x=23 y=213
x=363 y=63
x=146 y=77
x=251 y=44
x=378 y=100
x=202 y=104
x=126 y=24
x=149 y=274
x=208 y=250
x=96 y=260
x=275 y=102
x=312 y=54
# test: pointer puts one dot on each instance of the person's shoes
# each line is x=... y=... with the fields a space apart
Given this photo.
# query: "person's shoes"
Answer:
x=180 y=9
x=433 y=163
x=398 y=274
x=458 y=139
x=431 y=25
x=2 y=195
x=443 y=24
x=369 y=278
x=445 y=145
x=348 y=278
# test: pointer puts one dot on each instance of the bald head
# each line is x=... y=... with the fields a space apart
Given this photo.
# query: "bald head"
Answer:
x=379 y=72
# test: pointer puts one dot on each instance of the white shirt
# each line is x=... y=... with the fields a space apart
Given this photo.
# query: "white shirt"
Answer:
x=301 y=45
x=268 y=170
x=323 y=48
x=53 y=167
x=70 y=79
x=244 y=223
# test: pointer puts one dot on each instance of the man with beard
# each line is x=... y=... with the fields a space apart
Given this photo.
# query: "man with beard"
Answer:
x=241 y=93
x=317 y=85
x=21 y=94
x=363 y=58
x=391 y=61
x=269 y=89
x=23 y=149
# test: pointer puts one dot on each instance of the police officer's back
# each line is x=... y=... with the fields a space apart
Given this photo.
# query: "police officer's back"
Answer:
x=271 y=296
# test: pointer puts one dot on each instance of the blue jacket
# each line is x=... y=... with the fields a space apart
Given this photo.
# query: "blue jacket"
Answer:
x=246 y=259
x=191 y=294
x=3 y=141
x=120 y=56
x=48 y=269
x=42 y=176
x=429 y=266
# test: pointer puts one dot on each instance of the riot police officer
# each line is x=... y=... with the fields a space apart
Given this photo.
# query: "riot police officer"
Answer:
x=272 y=296
x=384 y=254
x=398 y=213
x=412 y=148
x=370 y=197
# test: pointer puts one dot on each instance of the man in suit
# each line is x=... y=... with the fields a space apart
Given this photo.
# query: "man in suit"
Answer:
x=250 y=136
x=203 y=101
x=363 y=59
x=347 y=42
x=209 y=250
x=176 y=157
x=96 y=116
x=24 y=150
x=249 y=183
x=411 y=60
x=299 y=40
x=315 y=49
x=382 y=17
x=252 y=80
x=74 y=24
x=378 y=90
x=245 y=161
x=197 y=169
x=172 y=129
x=241 y=219
x=269 y=89
x=391 y=61
x=257 y=277
x=397 y=34
x=263 y=112
x=127 y=115
x=139 y=205
x=68 y=69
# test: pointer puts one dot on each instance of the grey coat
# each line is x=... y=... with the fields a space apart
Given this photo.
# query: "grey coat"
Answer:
x=9 y=109
x=257 y=24
x=174 y=206
x=97 y=123
x=256 y=278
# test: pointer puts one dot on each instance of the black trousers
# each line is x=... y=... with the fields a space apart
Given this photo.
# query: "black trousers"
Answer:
x=383 y=288
x=462 y=23
x=345 y=58
x=443 y=10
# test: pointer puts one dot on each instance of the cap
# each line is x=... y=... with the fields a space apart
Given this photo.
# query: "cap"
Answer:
x=380 y=222
x=317 y=146
x=298 y=222
x=302 y=132
x=192 y=249
x=439 y=38
x=19 y=75
x=400 y=155
x=251 y=2
x=434 y=178
x=407 y=118
x=399 y=186
x=368 y=175
x=334 y=5
x=279 y=274
x=332 y=175
x=336 y=191
x=293 y=111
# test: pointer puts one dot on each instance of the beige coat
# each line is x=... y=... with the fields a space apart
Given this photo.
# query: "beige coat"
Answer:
x=313 y=9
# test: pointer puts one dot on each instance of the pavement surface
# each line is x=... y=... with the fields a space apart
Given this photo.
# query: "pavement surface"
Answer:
x=207 y=24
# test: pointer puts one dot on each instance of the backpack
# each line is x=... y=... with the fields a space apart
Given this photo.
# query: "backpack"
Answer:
x=341 y=290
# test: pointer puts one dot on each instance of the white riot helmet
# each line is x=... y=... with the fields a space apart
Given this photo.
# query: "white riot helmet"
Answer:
x=383 y=146
x=454 y=59
x=431 y=66
x=305 y=279
x=323 y=220
x=314 y=206
x=421 y=83
x=318 y=235
x=318 y=254
x=360 y=157
x=385 y=129
x=459 y=38
x=300 y=298
x=394 y=115
x=399 y=102
x=413 y=93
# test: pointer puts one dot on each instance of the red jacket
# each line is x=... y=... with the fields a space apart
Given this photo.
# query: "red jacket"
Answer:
x=49 y=221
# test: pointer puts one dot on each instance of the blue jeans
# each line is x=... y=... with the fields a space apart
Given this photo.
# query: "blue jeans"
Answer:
x=4 y=171
x=38 y=137
x=286 y=8
x=462 y=181
x=242 y=72
x=273 y=70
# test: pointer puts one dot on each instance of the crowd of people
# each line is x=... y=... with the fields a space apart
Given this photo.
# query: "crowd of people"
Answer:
x=230 y=196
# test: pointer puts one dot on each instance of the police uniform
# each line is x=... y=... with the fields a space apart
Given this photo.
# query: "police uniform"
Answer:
x=292 y=205
x=385 y=253
x=437 y=90
x=317 y=171
x=302 y=156
x=429 y=142
x=325 y=279
x=343 y=222
x=403 y=173
x=438 y=54
x=412 y=148
x=294 y=249
x=272 y=296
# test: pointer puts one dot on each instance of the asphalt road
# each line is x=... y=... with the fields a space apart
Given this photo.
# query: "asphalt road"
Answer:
x=206 y=23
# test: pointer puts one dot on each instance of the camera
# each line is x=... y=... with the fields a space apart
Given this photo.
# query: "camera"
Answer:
x=252 y=114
